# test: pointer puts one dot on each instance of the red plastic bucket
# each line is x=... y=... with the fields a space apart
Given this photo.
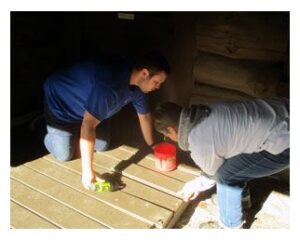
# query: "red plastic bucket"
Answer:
x=165 y=157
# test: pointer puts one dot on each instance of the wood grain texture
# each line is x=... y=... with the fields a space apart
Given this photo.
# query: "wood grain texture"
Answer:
x=46 y=206
x=22 y=217
x=127 y=203
x=133 y=187
x=182 y=166
x=71 y=198
x=252 y=78
x=50 y=193
x=253 y=35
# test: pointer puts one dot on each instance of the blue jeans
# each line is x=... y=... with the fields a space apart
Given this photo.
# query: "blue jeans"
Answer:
x=233 y=176
x=62 y=141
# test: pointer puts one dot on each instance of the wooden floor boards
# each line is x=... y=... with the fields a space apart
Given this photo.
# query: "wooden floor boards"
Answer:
x=46 y=193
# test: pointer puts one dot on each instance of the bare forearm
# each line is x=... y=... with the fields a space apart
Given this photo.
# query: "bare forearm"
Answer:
x=146 y=127
x=87 y=143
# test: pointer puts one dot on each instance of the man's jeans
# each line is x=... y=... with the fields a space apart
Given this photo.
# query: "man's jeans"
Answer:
x=233 y=176
x=62 y=141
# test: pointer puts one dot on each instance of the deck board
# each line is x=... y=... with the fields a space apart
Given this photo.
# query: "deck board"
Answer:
x=49 y=193
x=51 y=210
x=24 y=218
x=121 y=154
x=182 y=166
x=127 y=203
x=88 y=206
x=132 y=187
x=139 y=173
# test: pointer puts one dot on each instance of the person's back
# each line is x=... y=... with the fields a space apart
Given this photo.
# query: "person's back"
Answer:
x=243 y=127
x=68 y=93
x=234 y=143
x=239 y=127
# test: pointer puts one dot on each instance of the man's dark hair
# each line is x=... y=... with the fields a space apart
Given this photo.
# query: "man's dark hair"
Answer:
x=166 y=115
x=155 y=62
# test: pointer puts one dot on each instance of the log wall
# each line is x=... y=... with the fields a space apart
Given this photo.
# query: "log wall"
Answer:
x=242 y=35
x=240 y=55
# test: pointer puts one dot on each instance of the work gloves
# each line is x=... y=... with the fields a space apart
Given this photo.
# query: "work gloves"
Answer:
x=192 y=189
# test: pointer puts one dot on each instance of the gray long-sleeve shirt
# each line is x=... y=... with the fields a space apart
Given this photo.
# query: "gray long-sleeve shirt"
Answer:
x=239 y=127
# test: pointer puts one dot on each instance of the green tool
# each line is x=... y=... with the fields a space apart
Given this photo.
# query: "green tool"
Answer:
x=101 y=187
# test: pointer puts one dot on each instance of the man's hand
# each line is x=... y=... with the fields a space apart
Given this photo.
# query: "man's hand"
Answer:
x=152 y=146
x=88 y=177
x=192 y=189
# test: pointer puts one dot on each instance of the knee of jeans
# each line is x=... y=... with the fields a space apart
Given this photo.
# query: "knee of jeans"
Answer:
x=58 y=150
x=63 y=157
x=222 y=178
x=101 y=146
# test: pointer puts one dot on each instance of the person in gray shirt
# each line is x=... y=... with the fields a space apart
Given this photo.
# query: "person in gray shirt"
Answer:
x=232 y=143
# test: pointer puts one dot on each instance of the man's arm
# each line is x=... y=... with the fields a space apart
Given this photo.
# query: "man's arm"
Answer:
x=147 y=128
x=87 y=144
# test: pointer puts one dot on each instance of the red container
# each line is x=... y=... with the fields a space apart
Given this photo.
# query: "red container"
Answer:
x=165 y=157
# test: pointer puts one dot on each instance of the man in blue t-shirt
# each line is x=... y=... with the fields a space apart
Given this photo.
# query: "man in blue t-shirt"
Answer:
x=80 y=98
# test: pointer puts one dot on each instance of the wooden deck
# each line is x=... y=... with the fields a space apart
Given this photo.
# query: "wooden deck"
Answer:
x=46 y=193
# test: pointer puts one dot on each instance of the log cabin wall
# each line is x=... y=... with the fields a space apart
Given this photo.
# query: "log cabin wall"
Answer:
x=240 y=55
x=181 y=52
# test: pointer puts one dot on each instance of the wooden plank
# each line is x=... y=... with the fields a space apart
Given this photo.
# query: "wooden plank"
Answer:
x=147 y=162
x=201 y=99
x=131 y=205
x=21 y=217
x=181 y=167
x=253 y=78
x=219 y=93
x=139 y=173
x=70 y=197
x=45 y=206
x=178 y=214
x=133 y=187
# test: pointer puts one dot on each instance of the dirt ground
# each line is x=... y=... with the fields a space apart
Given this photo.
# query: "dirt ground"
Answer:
x=270 y=207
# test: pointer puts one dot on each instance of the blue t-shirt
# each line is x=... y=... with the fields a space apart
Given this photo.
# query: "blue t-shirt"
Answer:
x=100 y=87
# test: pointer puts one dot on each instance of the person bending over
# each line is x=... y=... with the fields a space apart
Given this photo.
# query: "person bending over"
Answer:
x=80 y=99
x=232 y=143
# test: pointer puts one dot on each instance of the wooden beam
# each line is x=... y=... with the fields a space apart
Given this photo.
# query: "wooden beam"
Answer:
x=241 y=35
x=219 y=93
x=252 y=78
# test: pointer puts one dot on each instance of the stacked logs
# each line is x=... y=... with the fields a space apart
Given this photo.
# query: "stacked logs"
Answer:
x=241 y=55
